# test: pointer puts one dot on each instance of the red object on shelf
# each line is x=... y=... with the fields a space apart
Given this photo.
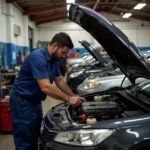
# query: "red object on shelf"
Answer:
x=5 y=116
x=72 y=55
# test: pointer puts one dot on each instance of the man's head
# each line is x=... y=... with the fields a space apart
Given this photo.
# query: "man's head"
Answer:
x=100 y=49
x=60 y=46
x=77 y=51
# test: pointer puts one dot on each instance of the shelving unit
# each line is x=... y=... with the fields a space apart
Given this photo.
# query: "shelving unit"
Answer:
x=6 y=74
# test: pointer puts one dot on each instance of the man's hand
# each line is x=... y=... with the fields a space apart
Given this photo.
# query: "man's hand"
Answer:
x=76 y=101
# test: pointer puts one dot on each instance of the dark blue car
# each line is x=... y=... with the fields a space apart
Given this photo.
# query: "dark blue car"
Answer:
x=121 y=119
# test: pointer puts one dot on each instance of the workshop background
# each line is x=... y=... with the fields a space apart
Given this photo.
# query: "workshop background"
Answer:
x=36 y=21
x=26 y=25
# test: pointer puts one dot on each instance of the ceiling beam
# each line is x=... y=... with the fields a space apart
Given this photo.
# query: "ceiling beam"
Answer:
x=141 y=18
x=14 y=1
x=44 y=9
x=51 y=20
x=54 y=7
x=114 y=6
x=96 y=4
x=51 y=16
x=84 y=1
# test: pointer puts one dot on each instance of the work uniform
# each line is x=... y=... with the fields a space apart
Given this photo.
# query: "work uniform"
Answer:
x=26 y=97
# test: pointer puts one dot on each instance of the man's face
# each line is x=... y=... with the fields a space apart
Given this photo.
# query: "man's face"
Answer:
x=60 y=53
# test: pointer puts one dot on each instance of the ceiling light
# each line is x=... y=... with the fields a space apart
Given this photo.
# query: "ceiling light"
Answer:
x=140 y=6
x=127 y=15
x=68 y=6
x=68 y=3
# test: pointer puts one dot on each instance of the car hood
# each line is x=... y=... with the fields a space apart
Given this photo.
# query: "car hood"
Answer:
x=124 y=53
x=92 y=50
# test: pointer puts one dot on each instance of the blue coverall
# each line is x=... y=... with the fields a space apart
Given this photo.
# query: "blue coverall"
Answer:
x=25 y=100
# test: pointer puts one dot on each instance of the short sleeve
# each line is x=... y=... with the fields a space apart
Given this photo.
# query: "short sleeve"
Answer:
x=57 y=73
x=38 y=65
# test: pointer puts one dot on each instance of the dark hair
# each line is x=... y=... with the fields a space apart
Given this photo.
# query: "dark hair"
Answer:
x=78 y=50
x=62 y=39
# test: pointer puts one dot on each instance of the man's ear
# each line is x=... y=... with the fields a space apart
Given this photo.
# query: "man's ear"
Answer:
x=54 y=46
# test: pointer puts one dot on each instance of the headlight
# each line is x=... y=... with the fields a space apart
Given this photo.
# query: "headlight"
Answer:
x=83 y=137
x=75 y=74
x=90 y=85
x=92 y=76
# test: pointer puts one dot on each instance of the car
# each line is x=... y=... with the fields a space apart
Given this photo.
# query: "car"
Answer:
x=121 y=120
x=87 y=60
x=76 y=77
x=96 y=83
x=73 y=62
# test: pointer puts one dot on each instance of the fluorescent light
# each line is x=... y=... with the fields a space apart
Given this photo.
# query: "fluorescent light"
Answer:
x=70 y=1
x=140 y=6
x=68 y=6
x=127 y=15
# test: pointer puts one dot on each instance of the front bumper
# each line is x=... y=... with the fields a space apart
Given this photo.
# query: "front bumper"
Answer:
x=57 y=146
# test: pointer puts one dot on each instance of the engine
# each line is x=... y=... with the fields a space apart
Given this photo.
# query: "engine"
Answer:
x=104 y=107
x=103 y=110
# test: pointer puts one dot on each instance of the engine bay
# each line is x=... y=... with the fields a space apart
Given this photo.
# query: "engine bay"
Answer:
x=104 y=107
x=97 y=108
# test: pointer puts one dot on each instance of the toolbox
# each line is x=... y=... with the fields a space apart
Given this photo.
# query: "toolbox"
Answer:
x=5 y=116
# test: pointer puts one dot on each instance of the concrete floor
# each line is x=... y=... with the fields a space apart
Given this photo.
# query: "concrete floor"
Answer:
x=6 y=141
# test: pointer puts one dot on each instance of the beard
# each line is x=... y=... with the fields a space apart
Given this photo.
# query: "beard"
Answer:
x=55 y=56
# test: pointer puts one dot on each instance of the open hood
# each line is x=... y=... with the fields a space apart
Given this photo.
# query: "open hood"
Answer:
x=95 y=53
x=118 y=46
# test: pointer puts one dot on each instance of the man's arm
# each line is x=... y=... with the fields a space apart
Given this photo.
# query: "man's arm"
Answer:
x=61 y=83
x=47 y=88
x=40 y=73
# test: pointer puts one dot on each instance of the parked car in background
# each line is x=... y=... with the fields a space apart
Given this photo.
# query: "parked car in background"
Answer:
x=77 y=76
x=121 y=119
x=87 y=60
x=103 y=84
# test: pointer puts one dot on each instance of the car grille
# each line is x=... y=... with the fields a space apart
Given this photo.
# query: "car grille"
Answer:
x=48 y=135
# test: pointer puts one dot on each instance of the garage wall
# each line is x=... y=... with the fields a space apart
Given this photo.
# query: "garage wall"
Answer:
x=10 y=44
x=2 y=24
x=47 y=31
x=140 y=35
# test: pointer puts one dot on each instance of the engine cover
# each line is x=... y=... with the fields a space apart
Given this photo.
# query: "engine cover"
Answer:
x=101 y=109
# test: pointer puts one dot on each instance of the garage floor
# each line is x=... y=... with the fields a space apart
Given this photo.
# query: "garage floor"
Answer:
x=6 y=141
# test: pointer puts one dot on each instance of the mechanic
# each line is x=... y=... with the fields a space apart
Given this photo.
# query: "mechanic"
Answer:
x=33 y=84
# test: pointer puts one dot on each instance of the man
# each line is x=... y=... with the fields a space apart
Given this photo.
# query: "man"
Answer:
x=100 y=49
x=77 y=54
x=34 y=82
